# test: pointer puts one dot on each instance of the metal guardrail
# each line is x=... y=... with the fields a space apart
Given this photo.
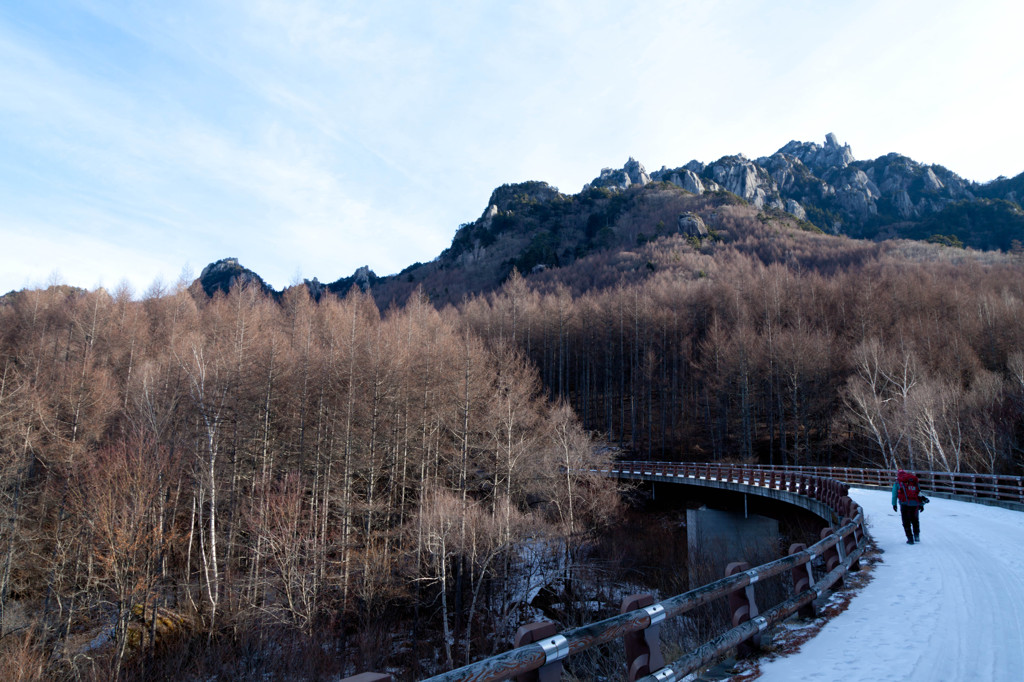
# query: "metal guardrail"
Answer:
x=984 y=488
x=540 y=650
x=817 y=486
x=977 y=487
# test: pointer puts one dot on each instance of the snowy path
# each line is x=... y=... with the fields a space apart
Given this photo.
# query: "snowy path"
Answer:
x=948 y=609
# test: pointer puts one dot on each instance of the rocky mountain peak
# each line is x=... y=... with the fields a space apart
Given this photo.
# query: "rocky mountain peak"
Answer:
x=506 y=197
x=633 y=173
x=225 y=273
x=684 y=177
x=745 y=179
x=831 y=155
x=636 y=172
x=362 y=277
x=315 y=287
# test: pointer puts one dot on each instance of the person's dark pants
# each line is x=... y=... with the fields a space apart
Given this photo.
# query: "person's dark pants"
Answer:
x=911 y=523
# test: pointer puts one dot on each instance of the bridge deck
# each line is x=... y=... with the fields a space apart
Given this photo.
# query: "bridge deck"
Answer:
x=949 y=608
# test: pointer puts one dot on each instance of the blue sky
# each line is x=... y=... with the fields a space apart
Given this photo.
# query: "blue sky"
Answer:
x=141 y=141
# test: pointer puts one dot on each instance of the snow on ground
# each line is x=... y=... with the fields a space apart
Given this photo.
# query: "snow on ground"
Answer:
x=948 y=609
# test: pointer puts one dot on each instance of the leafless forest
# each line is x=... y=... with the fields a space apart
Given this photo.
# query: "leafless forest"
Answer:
x=239 y=470
x=802 y=350
x=242 y=486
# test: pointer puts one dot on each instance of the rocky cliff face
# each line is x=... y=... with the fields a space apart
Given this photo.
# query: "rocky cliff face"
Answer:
x=831 y=155
x=633 y=173
x=363 y=277
x=691 y=225
x=507 y=196
x=736 y=174
x=824 y=184
x=224 y=274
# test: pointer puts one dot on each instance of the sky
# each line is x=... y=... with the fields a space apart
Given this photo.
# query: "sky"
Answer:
x=141 y=141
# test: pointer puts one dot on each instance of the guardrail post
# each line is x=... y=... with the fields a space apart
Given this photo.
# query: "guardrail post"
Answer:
x=742 y=606
x=831 y=555
x=843 y=506
x=535 y=632
x=369 y=677
x=850 y=541
x=803 y=579
x=643 y=648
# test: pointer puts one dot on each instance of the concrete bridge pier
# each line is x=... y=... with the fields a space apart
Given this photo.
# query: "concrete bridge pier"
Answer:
x=717 y=538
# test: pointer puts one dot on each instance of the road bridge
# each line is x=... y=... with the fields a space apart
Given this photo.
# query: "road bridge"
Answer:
x=951 y=608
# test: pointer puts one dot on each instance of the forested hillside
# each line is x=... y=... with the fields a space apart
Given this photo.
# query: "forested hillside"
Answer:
x=254 y=482
x=195 y=479
x=791 y=348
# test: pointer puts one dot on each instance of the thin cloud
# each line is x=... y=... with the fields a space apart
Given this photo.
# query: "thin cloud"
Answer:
x=313 y=137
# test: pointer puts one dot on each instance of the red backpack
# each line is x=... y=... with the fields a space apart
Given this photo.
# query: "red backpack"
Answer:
x=909 y=490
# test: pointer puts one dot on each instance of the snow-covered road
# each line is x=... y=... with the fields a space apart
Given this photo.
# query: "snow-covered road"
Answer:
x=948 y=609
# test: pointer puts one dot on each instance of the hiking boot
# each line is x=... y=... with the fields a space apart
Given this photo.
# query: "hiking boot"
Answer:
x=910 y=541
x=917 y=538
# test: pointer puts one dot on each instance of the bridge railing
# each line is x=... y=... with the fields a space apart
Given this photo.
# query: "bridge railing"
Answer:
x=541 y=650
x=814 y=482
x=977 y=487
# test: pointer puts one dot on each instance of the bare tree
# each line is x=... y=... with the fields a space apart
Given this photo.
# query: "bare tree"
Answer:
x=876 y=398
x=117 y=498
x=16 y=433
x=290 y=545
x=203 y=366
x=439 y=527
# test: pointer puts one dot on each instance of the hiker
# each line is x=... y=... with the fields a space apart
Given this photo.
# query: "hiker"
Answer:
x=907 y=492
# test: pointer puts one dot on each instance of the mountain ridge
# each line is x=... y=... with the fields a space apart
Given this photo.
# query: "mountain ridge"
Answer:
x=532 y=226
